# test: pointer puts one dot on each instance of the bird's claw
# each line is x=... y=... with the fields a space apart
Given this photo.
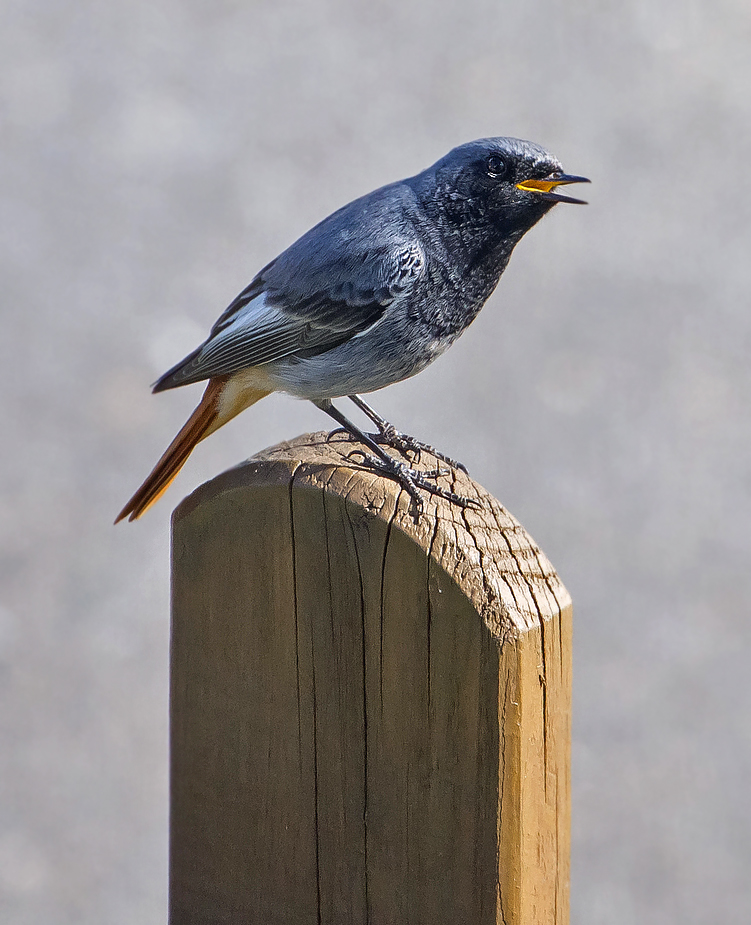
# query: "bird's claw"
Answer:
x=336 y=431
x=405 y=444
x=412 y=480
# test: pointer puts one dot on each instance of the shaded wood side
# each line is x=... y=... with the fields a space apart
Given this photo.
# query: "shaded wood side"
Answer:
x=242 y=804
x=351 y=743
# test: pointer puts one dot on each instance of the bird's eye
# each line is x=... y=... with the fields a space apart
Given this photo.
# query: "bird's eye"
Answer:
x=496 y=166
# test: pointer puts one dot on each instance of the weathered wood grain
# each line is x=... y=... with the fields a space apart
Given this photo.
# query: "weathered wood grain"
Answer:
x=370 y=713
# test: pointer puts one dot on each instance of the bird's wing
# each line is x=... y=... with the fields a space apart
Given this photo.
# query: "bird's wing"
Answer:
x=324 y=290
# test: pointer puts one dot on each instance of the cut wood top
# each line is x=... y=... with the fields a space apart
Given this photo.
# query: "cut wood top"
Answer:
x=485 y=550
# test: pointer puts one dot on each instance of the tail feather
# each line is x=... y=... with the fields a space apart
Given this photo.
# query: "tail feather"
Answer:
x=212 y=412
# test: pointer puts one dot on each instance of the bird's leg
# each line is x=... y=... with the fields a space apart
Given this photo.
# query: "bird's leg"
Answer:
x=399 y=441
x=410 y=479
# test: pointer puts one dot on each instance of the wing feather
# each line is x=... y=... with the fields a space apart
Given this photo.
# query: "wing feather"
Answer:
x=331 y=285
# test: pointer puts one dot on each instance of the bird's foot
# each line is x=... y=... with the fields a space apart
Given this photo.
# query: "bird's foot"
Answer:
x=389 y=436
x=412 y=480
x=405 y=444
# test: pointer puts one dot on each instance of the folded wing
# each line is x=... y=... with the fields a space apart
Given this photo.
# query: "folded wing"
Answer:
x=331 y=285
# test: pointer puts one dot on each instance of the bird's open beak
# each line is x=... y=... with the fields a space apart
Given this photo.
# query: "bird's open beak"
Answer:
x=544 y=188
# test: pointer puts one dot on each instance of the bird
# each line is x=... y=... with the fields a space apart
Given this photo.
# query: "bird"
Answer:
x=369 y=296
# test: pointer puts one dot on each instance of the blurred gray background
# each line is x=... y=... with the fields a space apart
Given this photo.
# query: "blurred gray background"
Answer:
x=155 y=154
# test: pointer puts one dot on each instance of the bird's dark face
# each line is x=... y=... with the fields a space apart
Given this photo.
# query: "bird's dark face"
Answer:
x=499 y=186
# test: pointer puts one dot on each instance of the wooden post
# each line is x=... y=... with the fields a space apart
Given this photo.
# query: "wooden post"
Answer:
x=370 y=714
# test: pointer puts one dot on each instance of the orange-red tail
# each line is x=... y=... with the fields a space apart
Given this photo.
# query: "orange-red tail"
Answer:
x=218 y=405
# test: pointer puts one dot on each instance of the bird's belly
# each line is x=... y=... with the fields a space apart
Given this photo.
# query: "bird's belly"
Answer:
x=363 y=364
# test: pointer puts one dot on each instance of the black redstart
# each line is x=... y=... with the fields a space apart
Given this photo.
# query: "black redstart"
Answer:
x=369 y=296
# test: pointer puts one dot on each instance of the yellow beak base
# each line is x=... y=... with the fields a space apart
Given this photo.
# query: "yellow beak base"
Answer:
x=537 y=186
x=544 y=188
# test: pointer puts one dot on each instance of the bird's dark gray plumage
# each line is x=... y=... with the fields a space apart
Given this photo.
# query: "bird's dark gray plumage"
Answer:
x=376 y=291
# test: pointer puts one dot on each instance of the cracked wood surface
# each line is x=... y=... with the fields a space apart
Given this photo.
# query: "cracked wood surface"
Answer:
x=370 y=712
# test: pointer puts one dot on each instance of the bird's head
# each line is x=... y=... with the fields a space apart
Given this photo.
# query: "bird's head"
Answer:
x=503 y=184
